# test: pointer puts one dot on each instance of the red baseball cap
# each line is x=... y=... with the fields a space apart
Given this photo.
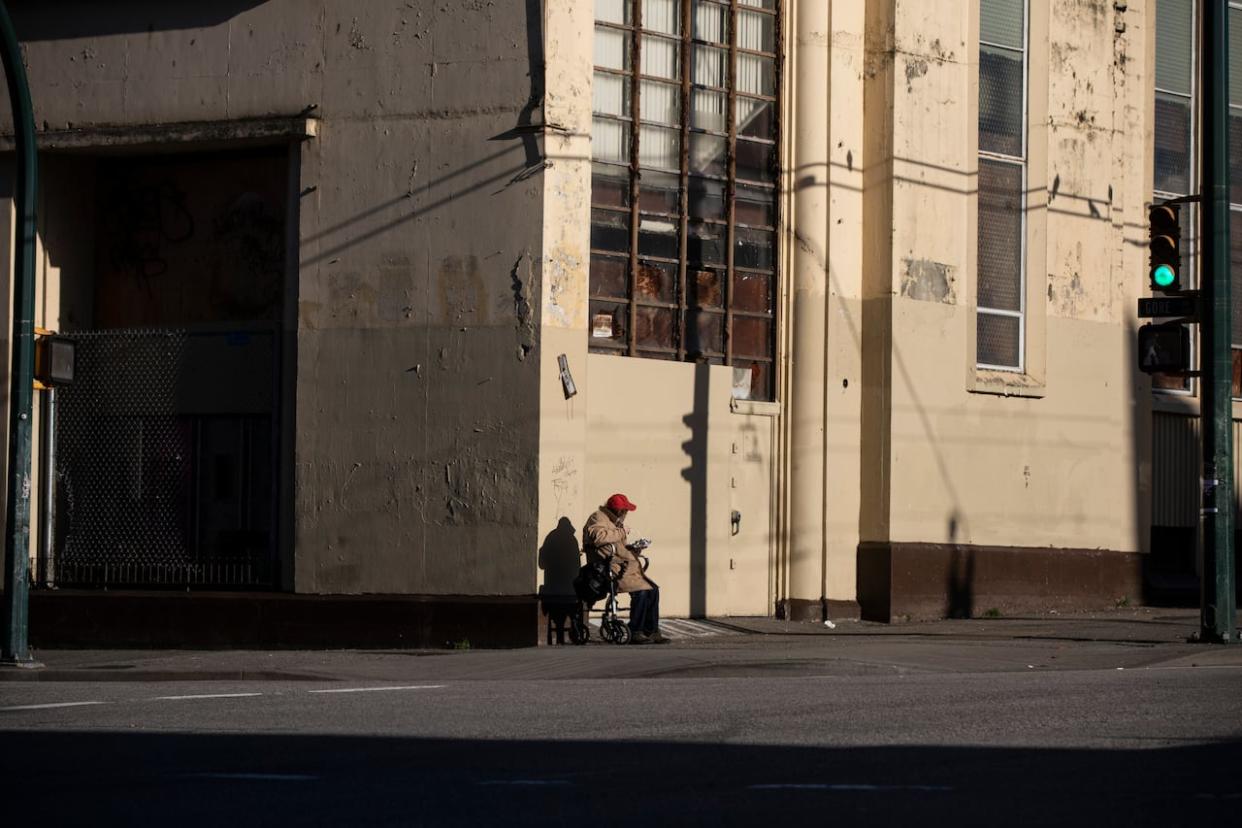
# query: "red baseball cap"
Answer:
x=620 y=503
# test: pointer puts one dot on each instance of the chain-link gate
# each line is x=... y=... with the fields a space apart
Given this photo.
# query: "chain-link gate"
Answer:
x=130 y=473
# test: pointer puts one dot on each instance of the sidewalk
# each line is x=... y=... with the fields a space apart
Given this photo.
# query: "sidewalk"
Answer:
x=1139 y=638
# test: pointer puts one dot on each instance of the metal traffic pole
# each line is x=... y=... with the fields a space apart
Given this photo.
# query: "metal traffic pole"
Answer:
x=1217 y=600
x=15 y=646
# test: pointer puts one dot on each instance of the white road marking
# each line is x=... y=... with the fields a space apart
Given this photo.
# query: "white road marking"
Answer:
x=678 y=628
x=379 y=689
x=694 y=629
x=262 y=777
x=824 y=786
x=208 y=696
x=50 y=706
x=525 y=782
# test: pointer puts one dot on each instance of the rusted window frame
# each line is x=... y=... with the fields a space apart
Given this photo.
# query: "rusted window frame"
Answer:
x=684 y=309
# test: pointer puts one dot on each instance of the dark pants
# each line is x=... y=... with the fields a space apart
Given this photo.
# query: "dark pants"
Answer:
x=645 y=611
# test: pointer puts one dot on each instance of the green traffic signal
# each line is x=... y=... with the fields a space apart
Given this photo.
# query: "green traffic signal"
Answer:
x=1163 y=242
x=1164 y=276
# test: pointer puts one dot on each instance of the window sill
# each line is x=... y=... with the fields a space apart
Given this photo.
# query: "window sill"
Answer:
x=1007 y=384
x=755 y=408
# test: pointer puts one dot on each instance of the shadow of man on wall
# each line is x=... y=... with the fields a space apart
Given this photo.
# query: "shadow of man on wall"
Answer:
x=560 y=559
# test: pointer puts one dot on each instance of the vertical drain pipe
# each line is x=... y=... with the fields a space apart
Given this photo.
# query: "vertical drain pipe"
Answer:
x=16 y=645
x=808 y=387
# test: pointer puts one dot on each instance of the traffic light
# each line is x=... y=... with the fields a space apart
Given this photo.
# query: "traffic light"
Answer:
x=1164 y=239
x=1164 y=349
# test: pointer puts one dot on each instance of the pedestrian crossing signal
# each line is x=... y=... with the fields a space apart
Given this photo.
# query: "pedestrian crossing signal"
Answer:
x=1164 y=349
x=1164 y=235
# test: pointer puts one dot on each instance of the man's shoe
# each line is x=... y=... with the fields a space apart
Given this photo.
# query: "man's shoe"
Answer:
x=640 y=638
x=658 y=638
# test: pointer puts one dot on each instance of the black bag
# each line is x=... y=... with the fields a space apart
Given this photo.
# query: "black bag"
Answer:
x=592 y=583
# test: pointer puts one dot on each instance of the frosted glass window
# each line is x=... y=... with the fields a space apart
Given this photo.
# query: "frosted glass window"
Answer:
x=610 y=95
x=1001 y=23
x=710 y=22
x=1235 y=56
x=613 y=11
x=661 y=58
x=612 y=50
x=662 y=16
x=1002 y=116
x=685 y=185
x=710 y=111
x=610 y=141
x=659 y=148
x=756 y=75
x=710 y=66
x=1001 y=278
x=1175 y=52
x=756 y=31
x=660 y=103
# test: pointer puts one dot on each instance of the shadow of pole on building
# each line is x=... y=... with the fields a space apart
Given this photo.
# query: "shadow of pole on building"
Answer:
x=38 y=21
x=696 y=475
x=961 y=580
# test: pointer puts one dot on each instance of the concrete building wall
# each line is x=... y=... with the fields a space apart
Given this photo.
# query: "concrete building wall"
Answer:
x=564 y=501
x=419 y=241
x=442 y=246
x=1046 y=457
x=665 y=434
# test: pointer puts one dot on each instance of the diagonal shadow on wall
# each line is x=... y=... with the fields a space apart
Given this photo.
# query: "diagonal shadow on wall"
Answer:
x=37 y=20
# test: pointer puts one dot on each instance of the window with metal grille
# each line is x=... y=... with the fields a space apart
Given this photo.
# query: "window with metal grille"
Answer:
x=1001 y=298
x=1175 y=172
x=684 y=184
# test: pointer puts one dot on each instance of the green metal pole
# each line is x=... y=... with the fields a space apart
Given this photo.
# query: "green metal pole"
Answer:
x=1217 y=610
x=16 y=649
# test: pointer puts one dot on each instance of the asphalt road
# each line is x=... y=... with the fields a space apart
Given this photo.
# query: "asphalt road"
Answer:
x=741 y=733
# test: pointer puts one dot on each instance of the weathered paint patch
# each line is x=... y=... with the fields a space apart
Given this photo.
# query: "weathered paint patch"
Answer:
x=461 y=290
x=929 y=281
x=521 y=277
x=916 y=67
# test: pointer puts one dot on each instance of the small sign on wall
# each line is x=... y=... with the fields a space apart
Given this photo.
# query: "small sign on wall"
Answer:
x=601 y=326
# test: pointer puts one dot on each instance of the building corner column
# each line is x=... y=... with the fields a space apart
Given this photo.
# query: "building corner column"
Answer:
x=563 y=277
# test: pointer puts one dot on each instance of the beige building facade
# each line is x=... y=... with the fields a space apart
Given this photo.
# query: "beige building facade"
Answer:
x=840 y=292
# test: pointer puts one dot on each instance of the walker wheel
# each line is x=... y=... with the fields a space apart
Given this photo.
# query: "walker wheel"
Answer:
x=605 y=630
x=621 y=633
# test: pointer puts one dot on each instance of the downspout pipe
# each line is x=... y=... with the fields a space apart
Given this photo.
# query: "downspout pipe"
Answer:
x=15 y=648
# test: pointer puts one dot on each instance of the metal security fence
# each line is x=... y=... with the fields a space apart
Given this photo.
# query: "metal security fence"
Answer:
x=131 y=474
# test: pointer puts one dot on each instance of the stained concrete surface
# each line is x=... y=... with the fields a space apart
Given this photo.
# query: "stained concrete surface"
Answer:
x=1135 y=638
x=1095 y=719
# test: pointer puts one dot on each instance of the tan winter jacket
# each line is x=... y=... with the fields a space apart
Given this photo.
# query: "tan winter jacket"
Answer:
x=602 y=534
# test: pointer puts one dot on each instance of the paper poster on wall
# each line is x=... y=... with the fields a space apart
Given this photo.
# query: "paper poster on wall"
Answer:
x=601 y=326
x=742 y=380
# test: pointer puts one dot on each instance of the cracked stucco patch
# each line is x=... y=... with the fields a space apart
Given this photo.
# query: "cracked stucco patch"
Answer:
x=929 y=281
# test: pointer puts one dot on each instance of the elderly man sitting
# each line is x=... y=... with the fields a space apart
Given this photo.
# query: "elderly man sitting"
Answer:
x=605 y=533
